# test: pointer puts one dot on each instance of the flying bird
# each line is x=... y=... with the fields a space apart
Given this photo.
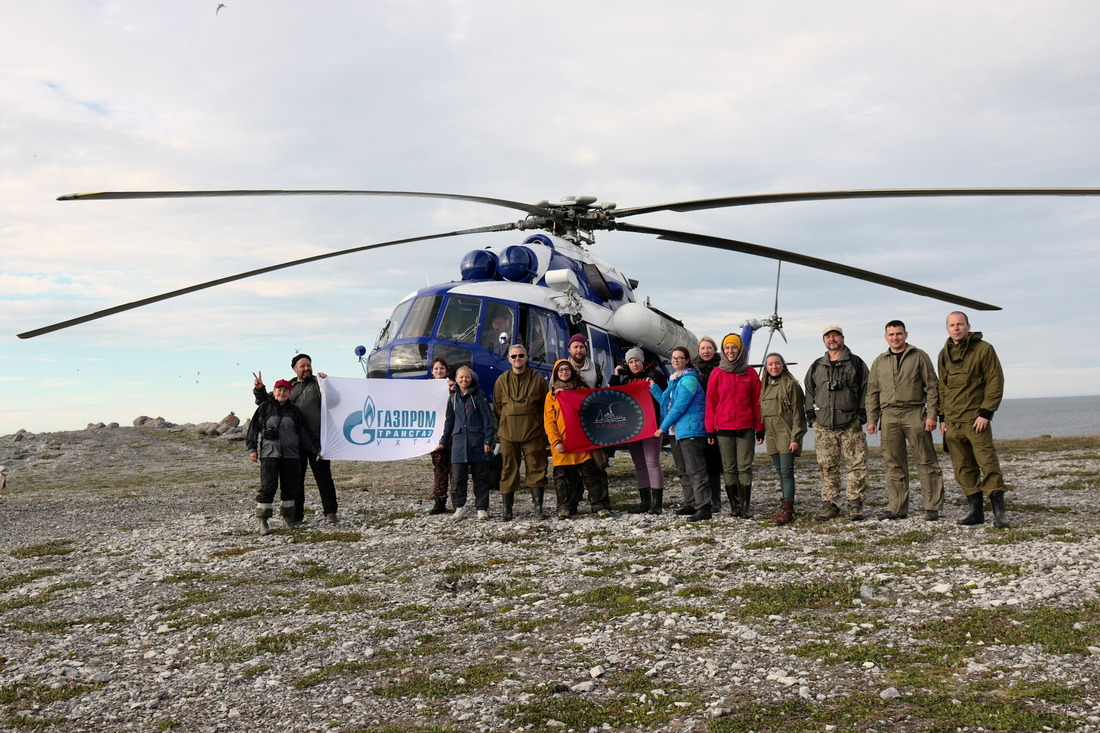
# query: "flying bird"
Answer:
x=219 y=8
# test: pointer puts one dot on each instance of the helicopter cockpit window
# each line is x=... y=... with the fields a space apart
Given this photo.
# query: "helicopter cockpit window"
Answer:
x=460 y=319
x=409 y=360
x=497 y=331
x=421 y=317
x=386 y=334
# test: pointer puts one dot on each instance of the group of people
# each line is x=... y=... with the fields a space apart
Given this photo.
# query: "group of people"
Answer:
x=714 y=410
x=902 y=398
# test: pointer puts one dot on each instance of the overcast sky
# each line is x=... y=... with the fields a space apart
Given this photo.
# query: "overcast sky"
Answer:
x=634 y=102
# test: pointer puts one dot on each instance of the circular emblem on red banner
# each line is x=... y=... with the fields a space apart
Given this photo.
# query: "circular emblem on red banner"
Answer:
x=610 y=417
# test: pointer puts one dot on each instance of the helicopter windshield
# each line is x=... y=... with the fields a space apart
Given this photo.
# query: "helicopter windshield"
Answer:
x=460 y=319
x=386 y=334
x=421 y=317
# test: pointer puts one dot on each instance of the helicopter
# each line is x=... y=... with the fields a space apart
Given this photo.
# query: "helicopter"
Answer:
x=548 y=287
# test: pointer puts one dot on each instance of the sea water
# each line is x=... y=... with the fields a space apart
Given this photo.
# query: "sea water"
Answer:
x=1032 y=417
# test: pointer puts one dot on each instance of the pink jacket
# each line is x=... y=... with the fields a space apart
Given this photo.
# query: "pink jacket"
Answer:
x=733 y=401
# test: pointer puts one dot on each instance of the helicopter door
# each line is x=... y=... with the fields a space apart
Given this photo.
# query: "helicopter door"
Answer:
x=599 y=351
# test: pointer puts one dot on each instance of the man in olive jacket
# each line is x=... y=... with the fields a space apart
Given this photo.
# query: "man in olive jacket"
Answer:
x=836 y=389
x=519 y=396
x=971 y=386
x=902 y=404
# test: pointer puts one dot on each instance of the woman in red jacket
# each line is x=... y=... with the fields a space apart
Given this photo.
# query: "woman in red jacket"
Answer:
x=733 y=420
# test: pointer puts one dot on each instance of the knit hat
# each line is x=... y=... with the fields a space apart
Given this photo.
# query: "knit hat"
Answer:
x=734 y=367
x=578 y=338
x=732 y=338
x=635 y=353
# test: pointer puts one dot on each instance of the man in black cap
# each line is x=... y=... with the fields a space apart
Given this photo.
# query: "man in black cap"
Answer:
x=306 y=395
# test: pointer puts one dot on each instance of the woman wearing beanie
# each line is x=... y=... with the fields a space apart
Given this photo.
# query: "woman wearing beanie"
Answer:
x=645 y=453
x=733 y=420
x=573 y=472
x=682 y=419
x=782 y=404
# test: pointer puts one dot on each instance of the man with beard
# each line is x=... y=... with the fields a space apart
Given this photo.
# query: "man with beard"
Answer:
x=836 y=387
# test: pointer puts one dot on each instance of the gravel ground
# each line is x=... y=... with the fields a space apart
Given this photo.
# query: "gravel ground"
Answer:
x=136 y=594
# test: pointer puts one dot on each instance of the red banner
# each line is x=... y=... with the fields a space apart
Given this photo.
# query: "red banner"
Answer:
x=597 y=418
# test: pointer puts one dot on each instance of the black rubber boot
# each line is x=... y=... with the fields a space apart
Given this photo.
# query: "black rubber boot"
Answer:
x=700 y=515
x=537 y=494
x=509 y=500
x=977 y=514
x=656 y=506
x=1000 y=515
x=732 y=494
x=715 y=495
x=745 y=495
x=643 y=507
x=685 y=511
x=439 y=507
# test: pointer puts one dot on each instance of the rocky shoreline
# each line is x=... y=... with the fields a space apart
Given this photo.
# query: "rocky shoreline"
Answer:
x=137 y=595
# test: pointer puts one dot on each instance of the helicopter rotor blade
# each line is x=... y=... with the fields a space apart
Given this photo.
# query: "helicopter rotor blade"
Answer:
x=114 y=195
x=877 y=193
x=251 y=273
x=733 y=245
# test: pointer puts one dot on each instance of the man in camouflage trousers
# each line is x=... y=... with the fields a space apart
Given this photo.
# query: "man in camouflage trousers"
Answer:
x=836 y=387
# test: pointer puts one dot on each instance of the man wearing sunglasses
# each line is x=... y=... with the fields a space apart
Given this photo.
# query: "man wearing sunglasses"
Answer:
x=519 y=396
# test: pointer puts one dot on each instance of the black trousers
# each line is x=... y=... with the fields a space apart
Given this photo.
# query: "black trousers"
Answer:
x=282 y=475
x=322 y=474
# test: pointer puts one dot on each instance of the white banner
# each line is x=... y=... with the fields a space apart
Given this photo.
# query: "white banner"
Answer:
x=381 y=419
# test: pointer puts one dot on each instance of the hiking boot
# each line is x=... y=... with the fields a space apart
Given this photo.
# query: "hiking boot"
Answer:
x=855 y=511
x=563 y=512
x=603 y=513
x=482 y=515
x=701 y=515
x=890 y=515
x=785 y=514
x=439 y=507
x=931 y=515
x=332 y=519
x=828 y=511
x=685 y=511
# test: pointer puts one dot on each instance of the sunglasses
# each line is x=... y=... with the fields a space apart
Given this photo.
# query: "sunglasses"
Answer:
x=517 y=356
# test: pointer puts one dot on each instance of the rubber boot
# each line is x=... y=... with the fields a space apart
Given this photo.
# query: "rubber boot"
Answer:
x=509 y=500
x=656 y=506
x=732 y=494
x=700 y=515
x=265 y=528
x=439 y=507
x=643 y=506
x=537 y=494
x=745 y=493
x=715 y=496
x=785 y=513
x=976 y=515
x=1000 y=515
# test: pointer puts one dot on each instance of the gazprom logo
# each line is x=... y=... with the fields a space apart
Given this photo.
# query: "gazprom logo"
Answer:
x=373 y=424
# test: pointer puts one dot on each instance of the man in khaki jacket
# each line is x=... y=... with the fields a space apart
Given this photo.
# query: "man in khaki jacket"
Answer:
x=902 y=404
x=518 y=399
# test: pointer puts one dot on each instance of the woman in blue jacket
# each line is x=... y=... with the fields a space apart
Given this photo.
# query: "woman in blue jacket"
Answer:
x=469 y=428
x=683 y=417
